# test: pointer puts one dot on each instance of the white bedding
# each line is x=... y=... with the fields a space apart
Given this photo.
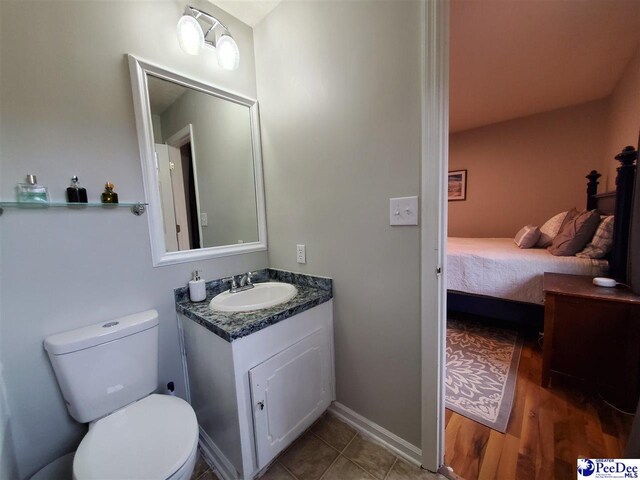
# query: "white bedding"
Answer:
x=496 y=267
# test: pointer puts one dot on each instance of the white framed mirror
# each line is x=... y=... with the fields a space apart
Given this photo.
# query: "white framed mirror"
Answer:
x=201 y=166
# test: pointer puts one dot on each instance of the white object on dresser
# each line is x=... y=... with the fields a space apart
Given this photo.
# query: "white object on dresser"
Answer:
x=604 y=282
x=247 y=411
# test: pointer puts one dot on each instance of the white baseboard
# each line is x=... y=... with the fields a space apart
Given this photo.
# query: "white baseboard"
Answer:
x=214 y=456
x=399 y=446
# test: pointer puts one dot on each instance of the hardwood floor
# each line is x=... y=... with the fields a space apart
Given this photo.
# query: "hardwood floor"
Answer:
x=547 y=432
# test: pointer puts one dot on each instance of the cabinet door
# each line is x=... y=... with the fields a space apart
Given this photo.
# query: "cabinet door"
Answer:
x=289 y=392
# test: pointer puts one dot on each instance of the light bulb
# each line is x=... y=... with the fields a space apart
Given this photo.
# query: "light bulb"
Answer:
x=227 y=52
x=190 y=35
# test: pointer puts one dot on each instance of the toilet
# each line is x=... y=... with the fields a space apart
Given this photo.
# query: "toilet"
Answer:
x=107 y=374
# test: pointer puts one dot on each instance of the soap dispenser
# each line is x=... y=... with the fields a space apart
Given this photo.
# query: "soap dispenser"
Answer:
x=197 y=288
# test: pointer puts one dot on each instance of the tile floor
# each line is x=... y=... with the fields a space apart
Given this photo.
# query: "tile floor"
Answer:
x=332 y=450
x=202 y=471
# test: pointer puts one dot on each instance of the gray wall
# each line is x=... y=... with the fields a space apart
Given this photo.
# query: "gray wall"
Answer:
x=66 y=108
x=339 y=87
x=157 y=129
x=224 y=164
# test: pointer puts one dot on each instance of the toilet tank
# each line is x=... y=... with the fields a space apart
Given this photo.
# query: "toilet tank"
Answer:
x=103 y=367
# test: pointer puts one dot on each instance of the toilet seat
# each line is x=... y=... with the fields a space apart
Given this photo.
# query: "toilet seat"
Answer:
x=151 y=438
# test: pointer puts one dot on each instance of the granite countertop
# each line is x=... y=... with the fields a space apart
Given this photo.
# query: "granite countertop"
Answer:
x=231 y=326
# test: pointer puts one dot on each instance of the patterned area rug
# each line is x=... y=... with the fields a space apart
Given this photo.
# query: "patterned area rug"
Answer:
x=481 y=372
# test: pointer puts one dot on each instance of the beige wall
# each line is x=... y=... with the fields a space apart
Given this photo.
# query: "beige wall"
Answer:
x=524 y=171
x=340 y=110
x=66 y=108
x=624 y=118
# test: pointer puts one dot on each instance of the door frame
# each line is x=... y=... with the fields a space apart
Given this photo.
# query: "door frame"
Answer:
x=165 y=187
x=178 y=140
x=433 y=230
x=179 y=198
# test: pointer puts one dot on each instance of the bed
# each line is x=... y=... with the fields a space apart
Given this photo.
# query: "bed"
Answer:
x=493 y=277
x=496 y=267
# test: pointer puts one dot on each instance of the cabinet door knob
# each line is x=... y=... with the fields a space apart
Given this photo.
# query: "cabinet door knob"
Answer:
x=260 y=405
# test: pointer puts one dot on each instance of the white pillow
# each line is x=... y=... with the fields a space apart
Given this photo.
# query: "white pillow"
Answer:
x=527 y=236
x=550 y=229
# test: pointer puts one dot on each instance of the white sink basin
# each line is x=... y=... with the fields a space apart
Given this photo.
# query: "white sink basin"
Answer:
x=262 y=295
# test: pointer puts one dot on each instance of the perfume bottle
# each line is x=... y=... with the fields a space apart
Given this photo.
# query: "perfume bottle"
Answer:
x=109 y=196
x=31 y=192
x=76 y=193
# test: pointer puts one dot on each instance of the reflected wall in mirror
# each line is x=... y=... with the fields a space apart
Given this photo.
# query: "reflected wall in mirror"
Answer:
x=205 y=163
x=203 y=172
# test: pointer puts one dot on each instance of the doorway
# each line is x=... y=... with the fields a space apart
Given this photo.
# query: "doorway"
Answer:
x=547 y=429
x=179 y=191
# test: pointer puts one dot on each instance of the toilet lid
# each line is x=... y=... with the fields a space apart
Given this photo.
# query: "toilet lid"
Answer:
x=151 y=438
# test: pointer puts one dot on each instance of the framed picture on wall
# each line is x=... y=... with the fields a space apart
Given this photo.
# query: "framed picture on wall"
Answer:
x=458 y=185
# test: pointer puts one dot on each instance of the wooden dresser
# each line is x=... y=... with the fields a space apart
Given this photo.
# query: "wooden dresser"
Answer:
x=593 y=333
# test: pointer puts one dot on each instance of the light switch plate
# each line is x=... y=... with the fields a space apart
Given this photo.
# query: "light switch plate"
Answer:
x=403 y=211
x=301 y=253
x=204 y=221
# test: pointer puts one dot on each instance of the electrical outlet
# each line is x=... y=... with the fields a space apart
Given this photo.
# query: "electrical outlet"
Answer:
x=204 y=221
x=301 y=253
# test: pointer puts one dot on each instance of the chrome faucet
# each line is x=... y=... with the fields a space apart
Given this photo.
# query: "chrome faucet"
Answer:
x=245 y=282
x=234 y=285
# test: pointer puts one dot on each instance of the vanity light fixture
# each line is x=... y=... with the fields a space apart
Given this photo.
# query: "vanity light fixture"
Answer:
x=190 y=35
x=192 y=38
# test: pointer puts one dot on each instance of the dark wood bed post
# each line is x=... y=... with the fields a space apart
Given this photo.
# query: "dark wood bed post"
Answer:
x=592 y=189
x=622 y=221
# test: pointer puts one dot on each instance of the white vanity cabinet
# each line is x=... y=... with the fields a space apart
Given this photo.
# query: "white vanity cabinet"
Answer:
x=257 y=394
x=289 y=390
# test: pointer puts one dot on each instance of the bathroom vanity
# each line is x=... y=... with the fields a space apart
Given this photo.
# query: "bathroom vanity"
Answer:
x=258 y=379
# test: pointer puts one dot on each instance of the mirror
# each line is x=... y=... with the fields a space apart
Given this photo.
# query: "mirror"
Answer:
x=202 y=166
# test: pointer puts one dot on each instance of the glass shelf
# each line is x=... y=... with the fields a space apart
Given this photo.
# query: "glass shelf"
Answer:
x=137 y=208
